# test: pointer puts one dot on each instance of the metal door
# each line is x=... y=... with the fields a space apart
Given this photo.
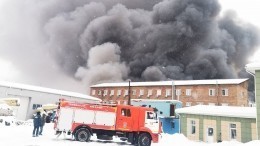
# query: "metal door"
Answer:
x=210 y=135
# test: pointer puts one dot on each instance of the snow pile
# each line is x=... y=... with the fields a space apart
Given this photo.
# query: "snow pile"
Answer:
x=28 y=122
x=181 y=140
x=7 y=120
x=175 y=139
x=5 y=110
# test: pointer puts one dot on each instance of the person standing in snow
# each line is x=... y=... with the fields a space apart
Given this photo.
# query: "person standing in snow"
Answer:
x=36 y=123
x=43 y=119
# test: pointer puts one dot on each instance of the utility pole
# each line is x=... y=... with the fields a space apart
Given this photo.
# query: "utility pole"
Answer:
x=129 y=93
x=217 y=92
x=173 y=90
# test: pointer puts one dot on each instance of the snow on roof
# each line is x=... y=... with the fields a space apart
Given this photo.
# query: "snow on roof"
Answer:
x=46 y=90
x=174 y=82
x=225 y=111
x=154 y=100
x=252 y=67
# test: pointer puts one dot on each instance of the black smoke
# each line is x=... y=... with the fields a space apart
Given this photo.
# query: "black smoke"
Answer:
x=98 y=41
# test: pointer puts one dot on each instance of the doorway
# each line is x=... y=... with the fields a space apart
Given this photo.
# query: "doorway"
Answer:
x=210 y=135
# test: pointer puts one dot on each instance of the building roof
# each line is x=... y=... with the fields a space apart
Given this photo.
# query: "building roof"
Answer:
x=174 y=82
x=223 y=111
x=252 y=67
x=46 y=90
x=155 y=100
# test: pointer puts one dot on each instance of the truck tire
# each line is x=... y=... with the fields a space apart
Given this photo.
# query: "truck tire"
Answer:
x=144 y=139
x=82 y=135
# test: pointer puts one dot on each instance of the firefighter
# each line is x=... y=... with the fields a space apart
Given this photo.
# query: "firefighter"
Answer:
x=36 y=123
x=43 y=120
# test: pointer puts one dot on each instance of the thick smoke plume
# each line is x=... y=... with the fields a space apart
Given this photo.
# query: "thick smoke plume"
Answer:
x=98 y=41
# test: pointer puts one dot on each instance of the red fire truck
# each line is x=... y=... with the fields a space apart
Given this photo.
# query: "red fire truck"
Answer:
x=137 y=125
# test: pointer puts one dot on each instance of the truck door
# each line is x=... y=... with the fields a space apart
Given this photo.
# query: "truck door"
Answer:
x=151 y=122
x=124 y=119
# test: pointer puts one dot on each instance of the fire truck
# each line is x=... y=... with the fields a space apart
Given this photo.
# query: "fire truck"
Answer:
x=135 y=124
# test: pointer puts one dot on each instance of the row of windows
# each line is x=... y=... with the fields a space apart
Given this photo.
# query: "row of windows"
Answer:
x=232 y=130
x=35 y=106
x=212 y=92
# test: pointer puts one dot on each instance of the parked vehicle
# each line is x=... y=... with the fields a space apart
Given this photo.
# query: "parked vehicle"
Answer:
x=137 y=125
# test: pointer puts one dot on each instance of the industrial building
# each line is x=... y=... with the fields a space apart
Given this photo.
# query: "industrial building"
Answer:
x=25 y=99
x=225 y=92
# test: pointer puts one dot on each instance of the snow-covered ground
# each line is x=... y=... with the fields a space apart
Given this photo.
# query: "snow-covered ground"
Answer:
x=21 y=135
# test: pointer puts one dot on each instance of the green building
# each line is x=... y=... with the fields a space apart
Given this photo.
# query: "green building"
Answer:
x=218 y=123
x=254 y=69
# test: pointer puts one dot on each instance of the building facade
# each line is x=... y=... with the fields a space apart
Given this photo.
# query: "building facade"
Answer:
x=233 y=92
x=25 y=99
x=254 y=69
x=215 y=124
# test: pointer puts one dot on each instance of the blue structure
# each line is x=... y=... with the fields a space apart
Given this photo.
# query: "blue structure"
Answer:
x=165 y=111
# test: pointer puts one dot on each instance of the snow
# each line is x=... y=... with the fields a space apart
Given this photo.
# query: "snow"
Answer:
x=173 y=83
x=5 y=110
x=252 y=67
x=21 y=135
x=228 y=111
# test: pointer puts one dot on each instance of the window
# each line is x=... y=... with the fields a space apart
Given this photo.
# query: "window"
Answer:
x=99 y=92
x=210 y=131
x=178 y=92
x=211 y=92
x=126 y=92
x=224 y=92
x=126 y=112
x=188 y=92
x=93 y=92
x=150 y=115
x=105 y=92
x=118 y=92
x=134 y=92
x=242 y=94
x=141 y=92
x=159 y=92
x=150 y=92
x=193 y=127
x=233 y=131
x=172 y=125
x=35 y=106
x=168 y=92
x=188 y=104
x=111 y=92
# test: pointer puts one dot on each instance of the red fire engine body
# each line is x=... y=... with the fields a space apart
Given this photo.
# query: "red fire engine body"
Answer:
x=137 y=125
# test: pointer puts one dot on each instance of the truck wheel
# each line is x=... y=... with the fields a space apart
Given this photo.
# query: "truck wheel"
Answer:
x=144 y=139
x=82 y=135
